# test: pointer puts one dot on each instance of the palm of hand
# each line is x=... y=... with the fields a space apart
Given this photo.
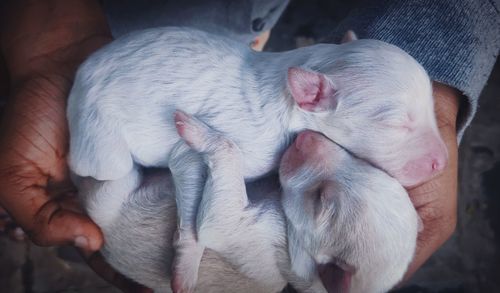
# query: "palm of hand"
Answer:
x=33 y=144
x=42 y=55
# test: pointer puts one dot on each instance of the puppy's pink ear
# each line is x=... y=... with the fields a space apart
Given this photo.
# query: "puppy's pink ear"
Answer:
x=334 y=278
x=311 y=90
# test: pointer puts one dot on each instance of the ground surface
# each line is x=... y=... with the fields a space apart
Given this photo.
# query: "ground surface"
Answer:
x=468 y=262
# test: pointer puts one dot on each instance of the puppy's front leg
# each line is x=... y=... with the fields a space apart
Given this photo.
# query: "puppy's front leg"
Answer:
x=247 y=236
x=188 y=172
x=224 y=196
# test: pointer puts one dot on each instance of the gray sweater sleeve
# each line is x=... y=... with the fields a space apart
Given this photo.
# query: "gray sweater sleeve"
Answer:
x=457 y=41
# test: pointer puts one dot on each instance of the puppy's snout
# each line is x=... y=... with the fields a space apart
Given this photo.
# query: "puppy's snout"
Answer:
x=438 y=162
x=426 y=166
x=435 y=160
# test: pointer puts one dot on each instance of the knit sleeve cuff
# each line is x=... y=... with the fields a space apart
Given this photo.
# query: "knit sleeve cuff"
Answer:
x=457 y=42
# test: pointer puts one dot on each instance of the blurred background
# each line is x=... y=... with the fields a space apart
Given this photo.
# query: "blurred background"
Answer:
x=468 y=262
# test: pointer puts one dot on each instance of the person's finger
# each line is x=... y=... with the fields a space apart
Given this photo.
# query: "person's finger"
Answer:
x=43 y=218
x=71 y=203
x=103 y=269
x=54 y=225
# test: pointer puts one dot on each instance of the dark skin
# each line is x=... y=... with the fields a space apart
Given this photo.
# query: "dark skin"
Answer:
x=42 y=44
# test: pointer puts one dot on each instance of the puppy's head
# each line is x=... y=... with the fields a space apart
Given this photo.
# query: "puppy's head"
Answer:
x=348 y=221
x=376 y=101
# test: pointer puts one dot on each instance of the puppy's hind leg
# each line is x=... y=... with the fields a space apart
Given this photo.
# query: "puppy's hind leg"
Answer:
x=226 y=222
x=188 y=172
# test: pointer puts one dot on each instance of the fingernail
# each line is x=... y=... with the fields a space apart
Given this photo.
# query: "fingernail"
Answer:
x=81 y=242
x=18 y=234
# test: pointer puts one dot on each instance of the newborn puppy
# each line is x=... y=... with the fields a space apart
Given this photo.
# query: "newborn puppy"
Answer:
x=241 y=20
x=122 y=102
x=343 y=212
x=340 y=211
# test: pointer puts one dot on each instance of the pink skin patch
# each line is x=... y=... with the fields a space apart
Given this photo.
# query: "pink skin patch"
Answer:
x=335 y=278
x=426 y=166
x=308 y=145
x=190 y=129
x=176 y=284
x=311 y=90
x=180 y=119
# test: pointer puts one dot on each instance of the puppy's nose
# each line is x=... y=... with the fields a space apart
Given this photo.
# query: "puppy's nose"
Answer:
x=423 y=168
x=439 y=163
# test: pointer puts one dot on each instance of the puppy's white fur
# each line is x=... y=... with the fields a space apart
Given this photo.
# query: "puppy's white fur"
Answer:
x=364 y=221
x=343 y=211
x=121 y=106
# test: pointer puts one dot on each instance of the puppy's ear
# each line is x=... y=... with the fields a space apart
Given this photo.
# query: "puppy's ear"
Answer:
x=349 y=37
x=334 y=278
x=312 y=91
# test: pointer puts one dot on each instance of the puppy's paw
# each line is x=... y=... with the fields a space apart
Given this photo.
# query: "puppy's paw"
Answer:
x=182 y=285
x=194 y=132
x=200 y=137
x=186 y=263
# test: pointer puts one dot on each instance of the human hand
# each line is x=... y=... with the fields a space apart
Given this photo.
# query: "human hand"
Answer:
x=436 y=200
x=43 y=42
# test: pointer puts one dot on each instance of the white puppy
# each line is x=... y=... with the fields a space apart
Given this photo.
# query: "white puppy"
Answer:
x=121 y=107
x=347 y=219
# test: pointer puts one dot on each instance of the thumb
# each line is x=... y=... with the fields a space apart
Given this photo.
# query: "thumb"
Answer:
x=55 y=225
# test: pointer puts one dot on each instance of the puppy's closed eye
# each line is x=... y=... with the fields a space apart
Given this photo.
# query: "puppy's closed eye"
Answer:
x=322 y=202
